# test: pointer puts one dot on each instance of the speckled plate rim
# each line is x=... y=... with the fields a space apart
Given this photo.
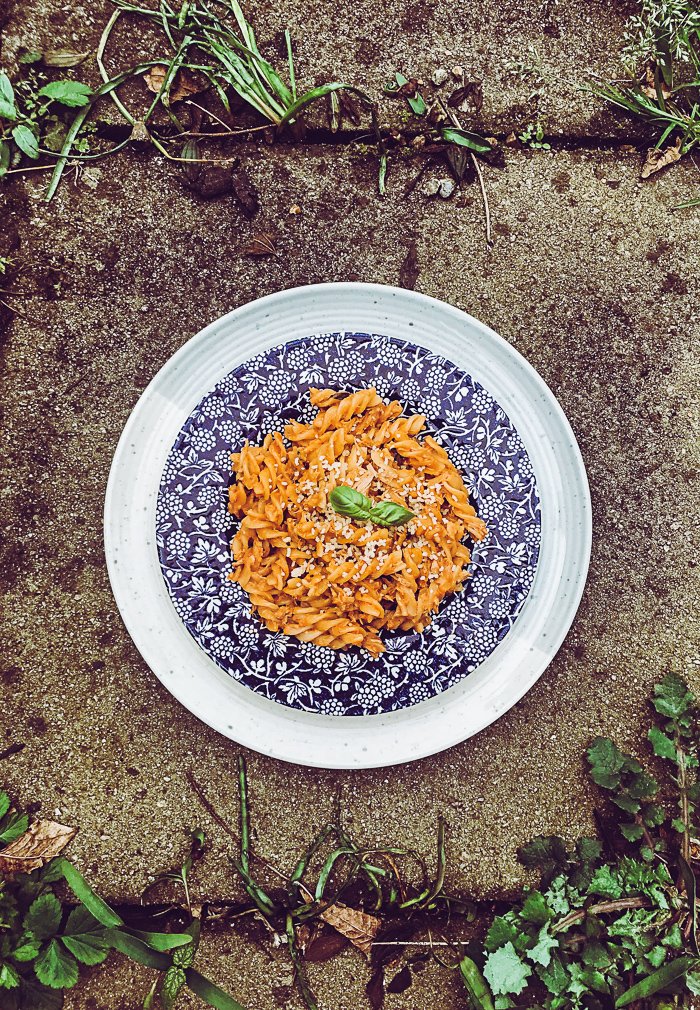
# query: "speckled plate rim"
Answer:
x=346 y=741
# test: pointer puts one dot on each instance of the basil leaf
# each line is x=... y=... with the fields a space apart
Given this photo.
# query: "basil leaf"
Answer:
x=389 y=513
x=348 y=502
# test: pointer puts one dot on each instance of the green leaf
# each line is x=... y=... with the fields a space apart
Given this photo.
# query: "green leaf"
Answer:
x=606 y=763
x=209 y=992
x=653 y=815
x=659 y=980
x=555 y=976
x=56 y=968
x=27 y=951
x=678 y=824
x=85 y=894
x=9 y=979
x=588 y=850
x=692 y=980
x=25 y=140
x=84 y=937
x=4 y=803
x=16 y=824
x=72 y=93
x=632 y=832
x=656 y=956
x=541 y=953
x=173 y=982
x=349 y=502
x=595 y=955
x=418 y=106
x=463 y=138
x=535 y=909
x=662 y=745
x=86 y=949
x=161 y=941
x=136 y=949
x=7 y=98
x=506 y=972
x=475 y=984
x=501 y=931
x=183 y=957
x=545 y=853
x=606 y=883
x=389 y=514
x=43 y=917
x=38 y=997
x=672 y=697
x=643 y=785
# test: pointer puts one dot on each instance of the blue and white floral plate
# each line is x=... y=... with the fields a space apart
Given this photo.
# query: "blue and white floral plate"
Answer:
x=167 y=530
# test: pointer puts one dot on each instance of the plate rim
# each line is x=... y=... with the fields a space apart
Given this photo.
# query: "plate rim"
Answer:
x=387 y=746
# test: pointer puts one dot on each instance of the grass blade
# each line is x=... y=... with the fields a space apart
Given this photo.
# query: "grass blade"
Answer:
x=476 y=985
x=137 y=950
x=464 y=138
x=98 y=908
x=659 y=980
x=210 y=993
x=290 y=61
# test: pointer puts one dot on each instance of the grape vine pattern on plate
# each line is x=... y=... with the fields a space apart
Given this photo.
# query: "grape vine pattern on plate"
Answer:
x=194 y=528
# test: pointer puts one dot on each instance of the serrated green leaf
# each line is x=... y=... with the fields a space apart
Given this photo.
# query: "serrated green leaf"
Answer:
x=630 y=804
x=662 y=745
x=535 y=909
x=183 y=957
x=606 y=883
x=595 y=955
x=545 y=853
x=9 y=979
x=643 y=786
x=656 y=956
x=541 y=952
x=653 y=815
x=672 y=697
x=44 y=917
x=588 y=850
x=88 y=948
x=56 y=968
x=678 y=824
x=506 y=972
x=501 y=931
x=39 y=997
x=26 y=141
x=4 y=803
x=503 y=1003
x=606 y=763
x=632 y=832
x=555 y=976
x=26 y=951
x=173 y=983
x=72 y=93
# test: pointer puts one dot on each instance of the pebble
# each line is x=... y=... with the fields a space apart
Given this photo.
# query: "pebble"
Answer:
x=439 y=76
x=458 y=72
x=446 y=188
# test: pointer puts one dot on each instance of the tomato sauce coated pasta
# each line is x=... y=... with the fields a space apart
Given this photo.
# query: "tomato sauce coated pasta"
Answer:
x=326 y=578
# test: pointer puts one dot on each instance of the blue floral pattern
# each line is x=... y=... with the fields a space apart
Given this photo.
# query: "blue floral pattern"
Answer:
x=194 y=528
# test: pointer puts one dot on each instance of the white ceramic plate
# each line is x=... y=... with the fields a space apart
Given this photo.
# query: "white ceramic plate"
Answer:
x=311 y=738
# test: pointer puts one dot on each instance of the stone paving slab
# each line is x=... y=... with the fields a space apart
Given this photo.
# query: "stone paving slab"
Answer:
x=516 y=49
x=589 y=277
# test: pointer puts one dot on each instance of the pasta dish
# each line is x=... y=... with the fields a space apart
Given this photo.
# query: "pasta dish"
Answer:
x=350 y=525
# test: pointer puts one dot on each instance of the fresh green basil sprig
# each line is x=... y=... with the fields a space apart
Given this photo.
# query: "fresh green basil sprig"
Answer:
x=349 y=502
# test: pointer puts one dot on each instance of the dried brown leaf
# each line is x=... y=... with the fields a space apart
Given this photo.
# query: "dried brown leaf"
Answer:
x=471 y=95
x=182 y=85
x=324 y=947
x=42 y=841
x=649 y=86
x=409 y=271
x=375 y=989
x=359 y=927
x=62 y=58
x=245 y=193
x=261 y=245
x=401 y=981
x=659 y=157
